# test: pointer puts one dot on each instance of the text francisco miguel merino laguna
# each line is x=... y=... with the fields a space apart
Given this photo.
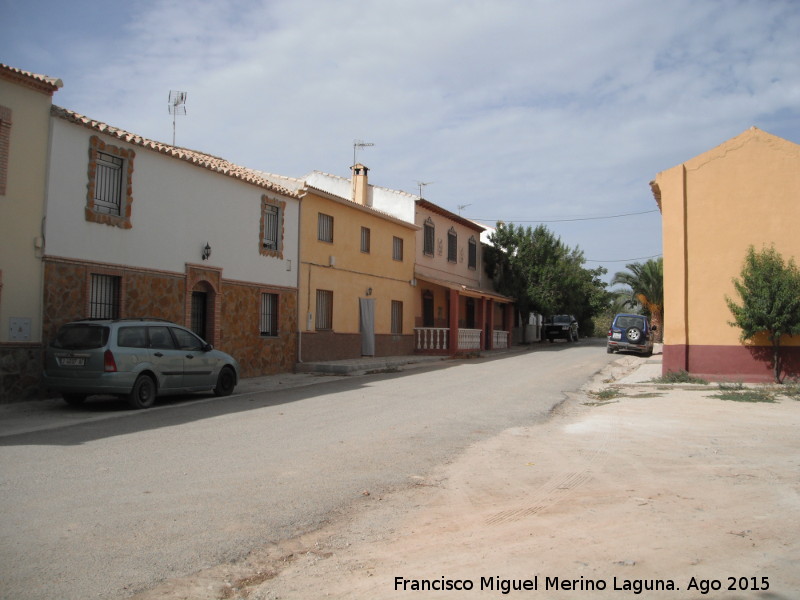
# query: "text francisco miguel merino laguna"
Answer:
x=506 y=586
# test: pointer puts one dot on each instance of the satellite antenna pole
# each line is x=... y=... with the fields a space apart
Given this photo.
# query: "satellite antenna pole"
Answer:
x=422 y=184
x=359 y=144
x=177 y=106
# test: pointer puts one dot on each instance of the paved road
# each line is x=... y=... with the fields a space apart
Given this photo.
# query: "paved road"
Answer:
x=103 y=508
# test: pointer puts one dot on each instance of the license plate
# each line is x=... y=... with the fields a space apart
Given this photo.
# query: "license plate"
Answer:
x=616 y=335
x=72 y=361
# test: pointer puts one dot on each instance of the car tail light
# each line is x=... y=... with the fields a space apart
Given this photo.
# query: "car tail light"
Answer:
x=109 y=364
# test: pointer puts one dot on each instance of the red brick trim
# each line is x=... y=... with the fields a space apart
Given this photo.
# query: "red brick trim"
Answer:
x=123 y=220
x=5 y=146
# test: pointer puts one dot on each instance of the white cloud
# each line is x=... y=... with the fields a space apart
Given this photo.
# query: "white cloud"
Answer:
x=520 y=108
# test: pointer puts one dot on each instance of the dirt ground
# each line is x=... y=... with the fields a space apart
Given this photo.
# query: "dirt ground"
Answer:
x=656 y=493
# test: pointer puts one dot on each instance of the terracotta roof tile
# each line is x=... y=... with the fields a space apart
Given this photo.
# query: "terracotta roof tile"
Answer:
x=43 y=83
x=201 y=159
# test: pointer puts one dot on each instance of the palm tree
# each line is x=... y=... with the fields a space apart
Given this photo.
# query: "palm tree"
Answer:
x=646 y=283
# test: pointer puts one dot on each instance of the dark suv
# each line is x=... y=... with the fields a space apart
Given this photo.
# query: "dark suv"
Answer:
x=631 y=332
x=138 y=359
x=561 y=327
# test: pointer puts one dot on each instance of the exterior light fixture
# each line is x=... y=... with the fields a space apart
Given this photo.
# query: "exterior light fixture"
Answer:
x=369 y=291
x=206 y=251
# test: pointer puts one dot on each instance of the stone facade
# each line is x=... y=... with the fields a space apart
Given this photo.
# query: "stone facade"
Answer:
x=234 y=318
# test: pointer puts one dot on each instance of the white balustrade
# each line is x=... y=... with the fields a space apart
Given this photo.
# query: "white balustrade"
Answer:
x=469 y=339
x=500 y=339
x=431 y=338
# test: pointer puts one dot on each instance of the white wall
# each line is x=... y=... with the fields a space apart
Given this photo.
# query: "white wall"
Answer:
x=177 y=207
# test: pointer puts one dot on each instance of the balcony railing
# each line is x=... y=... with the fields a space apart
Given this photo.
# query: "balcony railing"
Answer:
x=500 y=340
x=469 y=339
x=431 y=338
x=435 y=339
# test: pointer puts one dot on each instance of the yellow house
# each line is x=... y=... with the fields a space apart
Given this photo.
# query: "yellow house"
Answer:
x=744 y=192
x=356 y=276
x=25 y=101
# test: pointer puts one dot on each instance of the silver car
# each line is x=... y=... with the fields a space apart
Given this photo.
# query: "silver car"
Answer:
x=137 y=359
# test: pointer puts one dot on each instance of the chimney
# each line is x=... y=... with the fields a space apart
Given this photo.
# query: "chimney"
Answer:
x=360 y=185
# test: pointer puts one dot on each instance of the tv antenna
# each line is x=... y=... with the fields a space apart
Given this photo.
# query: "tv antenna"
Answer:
x=177 y=106
x=359 y=144
x=462 y=207
x=422 y=184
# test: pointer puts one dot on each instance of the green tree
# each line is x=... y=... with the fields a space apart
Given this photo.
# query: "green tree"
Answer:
x=543 y=274
x=769 y=289
x=645 y=289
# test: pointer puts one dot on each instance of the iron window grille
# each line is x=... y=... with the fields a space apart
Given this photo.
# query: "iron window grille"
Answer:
x=452 y=245
x=269 y=314
x=397 y=317
x=104 y=296
x=473 y=253
x=272 y=223
x=365 y=234
x=108 y=184
x=325 y=228
x=324 y=314
x=397 y=248
x=429 y=236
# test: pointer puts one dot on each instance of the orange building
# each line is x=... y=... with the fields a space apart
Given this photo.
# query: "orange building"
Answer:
x=714 y=206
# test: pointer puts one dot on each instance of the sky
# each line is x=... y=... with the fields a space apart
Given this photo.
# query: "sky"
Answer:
x=527 y=111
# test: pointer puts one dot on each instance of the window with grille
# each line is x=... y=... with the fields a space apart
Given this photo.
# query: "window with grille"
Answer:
x=269 y=314
x=397 y=317
x=324 y=315
x=271 y=225
x=397 y=248
x=109 y=192
x=452 y=245
x=473 y=253
x=429 y=235
x=104 y=297
x=325 y=228
x=365 y=239
x=108 y=184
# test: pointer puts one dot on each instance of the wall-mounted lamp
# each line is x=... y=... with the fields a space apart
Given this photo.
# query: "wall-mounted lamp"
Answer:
x=206 y=251
x=369 y=291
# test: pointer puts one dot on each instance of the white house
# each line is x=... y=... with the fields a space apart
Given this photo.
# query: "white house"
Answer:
x=138 y=228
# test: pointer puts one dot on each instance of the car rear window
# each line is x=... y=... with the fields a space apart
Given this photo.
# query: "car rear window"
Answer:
x=132 y=337
x=81 y=337
x=625 y=322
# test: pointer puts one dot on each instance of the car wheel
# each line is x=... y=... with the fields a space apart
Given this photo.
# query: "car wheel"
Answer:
x=634 y=334
x=225 y=382
x=609 y=350
x=74 y=399
x=143 y=393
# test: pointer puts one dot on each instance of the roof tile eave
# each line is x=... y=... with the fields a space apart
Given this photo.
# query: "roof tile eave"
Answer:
x=201 y=159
